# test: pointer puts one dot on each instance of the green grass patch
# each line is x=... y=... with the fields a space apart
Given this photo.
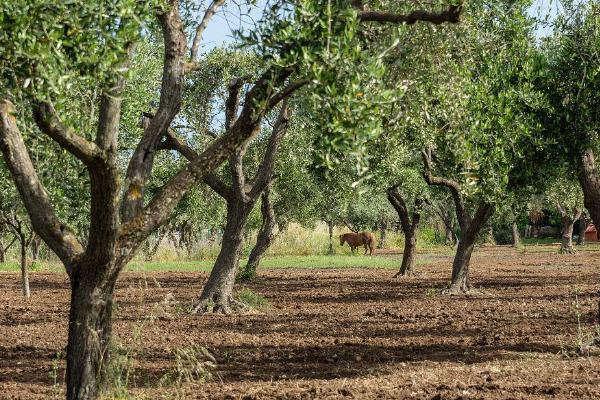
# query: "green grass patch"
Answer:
x=251 y=299
x=170 y=266
x=308 y=262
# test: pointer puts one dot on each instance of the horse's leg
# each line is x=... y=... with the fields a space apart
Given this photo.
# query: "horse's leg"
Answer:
x=365 y=245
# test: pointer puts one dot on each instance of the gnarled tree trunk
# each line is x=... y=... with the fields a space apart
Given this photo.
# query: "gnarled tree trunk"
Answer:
x=264 y=240
x=471 y=228
x=330 y=230
x=36 y=245
x=589 y=180
x=409 y=228
x=568 y=220
x=89 y=332
x=583 y=223
x=24 y=268
x=217 y=294
x=516 y=239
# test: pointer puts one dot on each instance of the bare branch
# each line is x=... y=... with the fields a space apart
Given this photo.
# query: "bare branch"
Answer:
x=287 y=92
x=208 y=15
x=400 y=206
x=265 y=172
x=243 y=130
x=50 y=124
x=232 y=103
x=172 y=142
x=142 y=161
x=350 y=226
x=41 y=212
x=451 y=184
x=450 y=15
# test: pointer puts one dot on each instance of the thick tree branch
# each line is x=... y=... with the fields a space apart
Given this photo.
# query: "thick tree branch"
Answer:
x=482 y=214
x=245 y=128
x=141 y=163
x=349 y=226
x=172 y=142
x=50 y=124
x=232 y=103
x=208 y=15
x=287 y=91
x=451 y=15
x=400 y=206
x=451 y=184
x=37 y=202
x=265 y=170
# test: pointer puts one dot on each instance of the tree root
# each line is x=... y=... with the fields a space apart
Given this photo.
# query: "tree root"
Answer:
x=405 y=274
x=219 y=304
x=461 y=291
x=567 y=250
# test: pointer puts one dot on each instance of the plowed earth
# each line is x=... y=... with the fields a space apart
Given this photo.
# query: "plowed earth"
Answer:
x=343 y=333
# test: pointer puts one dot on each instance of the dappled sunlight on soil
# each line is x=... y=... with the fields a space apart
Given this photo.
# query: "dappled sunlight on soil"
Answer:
x=355 y=333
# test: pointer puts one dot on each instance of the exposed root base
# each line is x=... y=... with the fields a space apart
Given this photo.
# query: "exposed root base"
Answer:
x=567 y=250
x=406 y=274
x=219 y=305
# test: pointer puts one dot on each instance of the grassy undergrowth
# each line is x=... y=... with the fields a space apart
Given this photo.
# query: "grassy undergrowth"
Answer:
x=290 y=261
x=309 y=262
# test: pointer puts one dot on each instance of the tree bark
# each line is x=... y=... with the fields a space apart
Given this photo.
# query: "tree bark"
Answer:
x=460 y=282
x=263 y=241
x=330 y=228
x=470 y=227
x=583 y=223
x=566 y=246
x=24 y=268
x=409 y=228
x=89 y=332
x=217 y=294
x=408 y=256
x=382 y=236
x=589 y=180
x=151 y=251
x=516 y=239
x=36 y=244
x=568 y=220
x=489 y=237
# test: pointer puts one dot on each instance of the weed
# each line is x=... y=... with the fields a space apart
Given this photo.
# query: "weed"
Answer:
x=36 y=266
x=57 y=390
x=193 y=364
x=431 y=292
x=251 y=299
x=585 y=343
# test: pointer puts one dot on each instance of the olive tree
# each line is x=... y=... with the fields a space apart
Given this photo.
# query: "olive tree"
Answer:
x=90 y=45
x=573 y=87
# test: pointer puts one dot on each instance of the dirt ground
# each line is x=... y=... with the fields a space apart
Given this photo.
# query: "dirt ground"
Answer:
x=343 y=333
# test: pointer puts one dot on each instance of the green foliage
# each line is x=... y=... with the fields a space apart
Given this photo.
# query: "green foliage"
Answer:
x=573 y=84
x=56 y=45
x=251 y=299
x=318 y=39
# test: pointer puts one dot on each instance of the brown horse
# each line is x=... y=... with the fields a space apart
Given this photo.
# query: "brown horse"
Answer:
x=355 y=240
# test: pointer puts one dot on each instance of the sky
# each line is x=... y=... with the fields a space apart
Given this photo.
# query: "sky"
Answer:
x=232 y=17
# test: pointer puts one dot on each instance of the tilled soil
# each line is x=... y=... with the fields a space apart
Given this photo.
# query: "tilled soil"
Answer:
x=334 y=333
